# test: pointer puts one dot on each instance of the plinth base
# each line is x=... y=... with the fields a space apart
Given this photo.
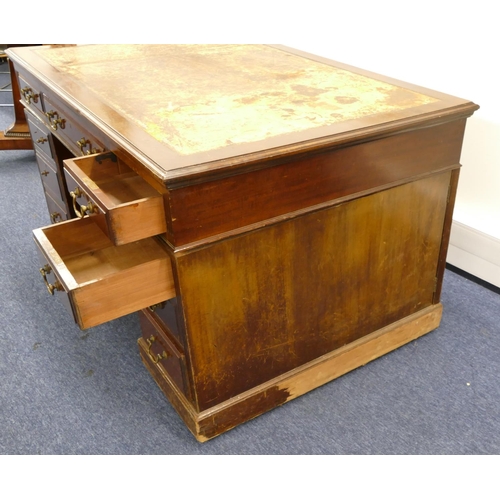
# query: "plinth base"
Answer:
x=223 y=417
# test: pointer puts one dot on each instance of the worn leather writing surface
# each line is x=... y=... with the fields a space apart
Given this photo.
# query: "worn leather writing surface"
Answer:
x=196 y=98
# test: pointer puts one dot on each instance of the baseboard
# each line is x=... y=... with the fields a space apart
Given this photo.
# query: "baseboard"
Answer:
x=475 y=253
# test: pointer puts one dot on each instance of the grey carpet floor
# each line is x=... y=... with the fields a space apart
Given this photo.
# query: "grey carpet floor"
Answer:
x=64 y=391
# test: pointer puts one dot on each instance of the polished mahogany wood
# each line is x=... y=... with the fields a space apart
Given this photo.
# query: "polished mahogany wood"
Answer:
x=309 y=285
x=307 y=208
x=220 y=418
x=271 y=191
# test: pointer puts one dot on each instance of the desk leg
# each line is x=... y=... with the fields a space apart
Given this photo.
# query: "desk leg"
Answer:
x=17 y=136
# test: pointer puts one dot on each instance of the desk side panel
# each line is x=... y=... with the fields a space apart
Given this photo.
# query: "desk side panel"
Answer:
x=268 y=301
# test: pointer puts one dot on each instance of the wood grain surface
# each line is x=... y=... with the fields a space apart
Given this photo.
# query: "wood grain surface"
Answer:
x=265 y=302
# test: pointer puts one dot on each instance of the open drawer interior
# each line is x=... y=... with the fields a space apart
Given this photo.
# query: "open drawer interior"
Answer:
x=105 y=281
x=132 y=208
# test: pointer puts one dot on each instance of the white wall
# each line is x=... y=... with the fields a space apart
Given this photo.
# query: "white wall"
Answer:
x=443 y=56
x=447 y=46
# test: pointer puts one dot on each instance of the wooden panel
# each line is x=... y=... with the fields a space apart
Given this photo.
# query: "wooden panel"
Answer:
x=273 y=299
x=200 y=211
x=446 y=234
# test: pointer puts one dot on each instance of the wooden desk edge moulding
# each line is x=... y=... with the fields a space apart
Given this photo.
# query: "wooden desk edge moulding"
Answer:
x=276 y=219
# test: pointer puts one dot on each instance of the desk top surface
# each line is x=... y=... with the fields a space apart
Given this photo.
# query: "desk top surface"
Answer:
x=190 y=108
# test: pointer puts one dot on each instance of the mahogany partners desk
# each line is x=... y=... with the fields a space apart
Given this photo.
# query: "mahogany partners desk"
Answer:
x=276 y=218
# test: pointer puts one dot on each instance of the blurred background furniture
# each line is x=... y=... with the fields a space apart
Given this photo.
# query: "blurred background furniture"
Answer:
x=17 y=135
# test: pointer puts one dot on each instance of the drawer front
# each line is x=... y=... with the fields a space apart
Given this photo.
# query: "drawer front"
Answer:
x=53 y=282
x=162 y=352
x=128 y=209
x=39 y=135
x=30 y=94
x=165 y=313
x=57 y=214
x=50 y=177
x=83 y=204
x=73 y=136
x=104 y=281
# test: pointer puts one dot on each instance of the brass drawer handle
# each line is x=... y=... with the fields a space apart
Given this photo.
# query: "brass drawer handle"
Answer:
x=155 y=359
x=55 y=121
x=54 y=216
x=160 y=305
x=85 y=143
x=90 y=207
x=44 y=271
x=41 y=140
x=29 y=96
x=45 y=173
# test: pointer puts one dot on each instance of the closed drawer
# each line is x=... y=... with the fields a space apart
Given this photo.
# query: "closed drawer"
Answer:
x=50 y=178
x=60 y=122
x=166 y=314
x=39 y=135
x=161 y=351
x=103 y=281
x=30 y=94
x=56 y=212
x=126 y=207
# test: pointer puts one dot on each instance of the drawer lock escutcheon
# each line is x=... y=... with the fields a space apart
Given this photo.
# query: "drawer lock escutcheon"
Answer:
x=55 y=121
x=44 y=271
x=90 y=207
x=85 y=143
x=155 y=359
x=29 y=96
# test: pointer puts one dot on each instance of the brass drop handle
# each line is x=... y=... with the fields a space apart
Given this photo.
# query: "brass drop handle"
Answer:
x=45 y=173
x=54 y=120
x=44 y=271
x=155 y=359
x=54 y=216
x=90 y=207
x=41 y=140
x=160 y=305
x=28 y=95
x=83 y=143
x=74 y=195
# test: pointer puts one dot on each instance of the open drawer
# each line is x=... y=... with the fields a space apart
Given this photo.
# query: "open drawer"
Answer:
x=101 y=280
x=125 y=206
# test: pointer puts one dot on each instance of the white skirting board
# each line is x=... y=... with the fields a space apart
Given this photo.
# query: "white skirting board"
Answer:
x=475 y=253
